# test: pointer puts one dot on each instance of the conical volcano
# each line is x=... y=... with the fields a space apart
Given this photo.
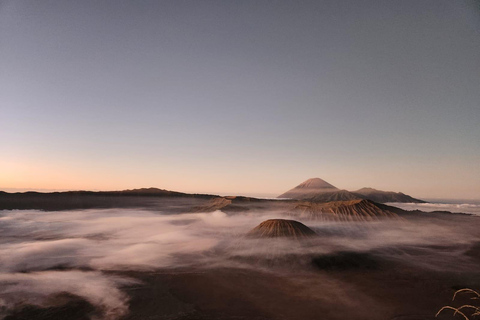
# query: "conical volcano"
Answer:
x=274 y=228
x=316 y=183
x=319 y=190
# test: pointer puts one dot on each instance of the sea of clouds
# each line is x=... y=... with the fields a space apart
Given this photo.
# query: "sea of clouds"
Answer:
x=470 y=208
x=81 y=251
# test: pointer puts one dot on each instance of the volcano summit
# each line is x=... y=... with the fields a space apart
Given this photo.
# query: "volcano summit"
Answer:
x=274 y=228
x=316 y=189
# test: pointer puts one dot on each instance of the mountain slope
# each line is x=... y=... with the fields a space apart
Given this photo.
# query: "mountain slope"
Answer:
x=281 y=228
x=340 y=195
x=385 y=196
x=319 y=190
x=343 y=210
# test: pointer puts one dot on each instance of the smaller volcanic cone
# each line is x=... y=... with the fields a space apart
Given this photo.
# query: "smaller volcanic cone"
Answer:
x=281 y=228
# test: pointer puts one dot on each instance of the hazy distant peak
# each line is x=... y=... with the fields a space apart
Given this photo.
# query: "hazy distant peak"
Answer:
x=385 y=196
x=372 y=190
x=367 y=189
x=313 y=188
x=316 y=183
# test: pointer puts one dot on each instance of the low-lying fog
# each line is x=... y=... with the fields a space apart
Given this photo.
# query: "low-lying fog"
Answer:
x=45 y=253
x=471 y=208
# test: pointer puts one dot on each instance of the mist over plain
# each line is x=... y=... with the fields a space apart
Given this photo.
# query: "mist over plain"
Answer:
x=466 y=207
x=84 y=252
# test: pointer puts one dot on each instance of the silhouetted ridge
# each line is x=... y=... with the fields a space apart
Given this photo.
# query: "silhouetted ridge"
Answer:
x=281 y=228
x=90 y=199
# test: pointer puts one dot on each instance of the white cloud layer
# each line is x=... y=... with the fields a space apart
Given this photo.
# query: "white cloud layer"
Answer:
x=47 y=253
x=429 y=207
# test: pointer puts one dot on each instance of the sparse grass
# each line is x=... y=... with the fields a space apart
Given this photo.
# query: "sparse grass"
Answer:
x=467 y=311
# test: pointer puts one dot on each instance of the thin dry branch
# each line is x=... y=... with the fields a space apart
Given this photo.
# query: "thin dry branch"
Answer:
x=454 y=309
x=457 y=310
x=466 y=290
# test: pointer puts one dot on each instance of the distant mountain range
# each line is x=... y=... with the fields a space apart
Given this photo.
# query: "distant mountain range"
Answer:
x=144 y=197
x=319 y=190
x=312 y=199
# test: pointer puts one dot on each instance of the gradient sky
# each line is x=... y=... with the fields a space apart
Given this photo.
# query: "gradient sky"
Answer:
x=240 y=97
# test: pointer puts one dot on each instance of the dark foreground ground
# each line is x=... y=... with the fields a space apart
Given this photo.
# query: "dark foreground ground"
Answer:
x=388 y=292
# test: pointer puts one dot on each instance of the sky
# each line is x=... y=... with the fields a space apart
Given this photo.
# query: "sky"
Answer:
x=240 y=97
